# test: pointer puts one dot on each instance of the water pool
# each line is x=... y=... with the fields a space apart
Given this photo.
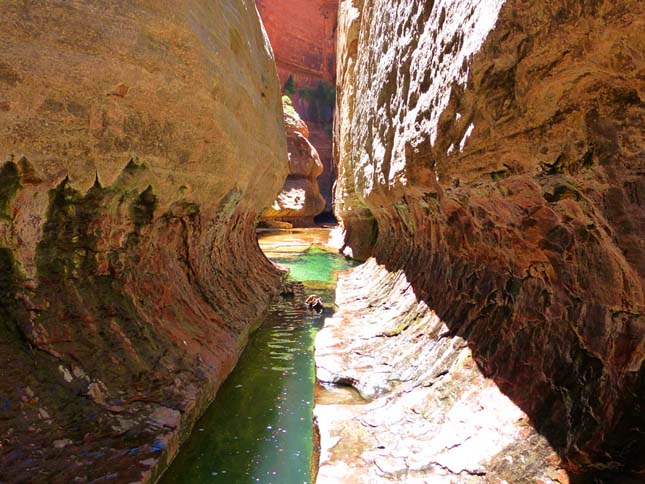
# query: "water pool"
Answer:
x=259 y=428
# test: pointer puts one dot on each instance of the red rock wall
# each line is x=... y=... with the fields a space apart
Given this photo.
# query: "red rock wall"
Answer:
x=303 y=37
x=130 y=274
x=302 y=34
x=494 y=151
x=300 y=199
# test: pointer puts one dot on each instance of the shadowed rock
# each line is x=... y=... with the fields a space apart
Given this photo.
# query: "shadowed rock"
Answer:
x=493 y=152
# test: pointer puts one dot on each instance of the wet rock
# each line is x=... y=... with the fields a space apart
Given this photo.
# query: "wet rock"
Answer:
x=62 y=443
x=67 y=375
x=314 y=303
x=288 y=291
x=165 y=417
x=493 y=152
x=97 y=392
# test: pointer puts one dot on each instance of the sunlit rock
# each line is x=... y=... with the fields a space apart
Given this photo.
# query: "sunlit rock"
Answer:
x=493 y=151
x=300 y=199
x=140 y=140
x=302 y=34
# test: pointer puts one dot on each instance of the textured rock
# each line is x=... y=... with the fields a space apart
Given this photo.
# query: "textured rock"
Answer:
x=302 y=37
x=141 y=140
x=430 y=415
x=494 y=152
x=300 y=199
x=302 y=34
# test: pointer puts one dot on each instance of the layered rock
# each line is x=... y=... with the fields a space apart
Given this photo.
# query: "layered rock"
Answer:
x=130 y=273
x=493 y=151
x=429 y=415
x=303 y=36
x=300 y=199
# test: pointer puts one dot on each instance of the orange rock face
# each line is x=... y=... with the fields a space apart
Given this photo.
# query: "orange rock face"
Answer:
x=300 y=199
x=303 y=37
x=140 y=140
x=494 y=151
x=302 y=34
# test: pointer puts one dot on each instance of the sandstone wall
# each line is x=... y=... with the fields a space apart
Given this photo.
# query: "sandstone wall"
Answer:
x=300 y=199
x=494 y=151
x=139 y=142
x=303 y=36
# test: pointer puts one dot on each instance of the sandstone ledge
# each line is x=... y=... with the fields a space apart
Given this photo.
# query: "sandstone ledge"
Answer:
x=431 y=415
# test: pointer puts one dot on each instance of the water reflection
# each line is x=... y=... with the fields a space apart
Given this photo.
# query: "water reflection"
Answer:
x=259 y=429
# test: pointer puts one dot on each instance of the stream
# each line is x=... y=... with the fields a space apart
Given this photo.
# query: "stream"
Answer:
x=259 y=429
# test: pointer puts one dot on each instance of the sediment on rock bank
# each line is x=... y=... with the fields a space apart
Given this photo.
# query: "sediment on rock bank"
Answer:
x=495 y=152
x=130 y=274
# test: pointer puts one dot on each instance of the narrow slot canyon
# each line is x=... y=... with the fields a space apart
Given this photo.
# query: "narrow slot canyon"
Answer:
x=322 y=241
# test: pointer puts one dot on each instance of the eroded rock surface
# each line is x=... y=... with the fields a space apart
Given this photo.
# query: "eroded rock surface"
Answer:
x=303 y=37
x=494 y=152
x=300 y=199
x=430 y=414
x=140 y=141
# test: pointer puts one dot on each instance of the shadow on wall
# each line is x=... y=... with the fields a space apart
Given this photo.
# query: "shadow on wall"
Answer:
x=540 y=365
x=528 y=245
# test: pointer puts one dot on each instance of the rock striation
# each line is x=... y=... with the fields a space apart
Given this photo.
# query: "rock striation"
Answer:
x=303 y=36
x=130 y=273
x=300 y=199
x=493 y=151
x=428 y=414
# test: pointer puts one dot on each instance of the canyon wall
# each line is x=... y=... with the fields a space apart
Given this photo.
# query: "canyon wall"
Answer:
x=140 y=140
x=303 y=36
x=494 y=152
x=299 y=200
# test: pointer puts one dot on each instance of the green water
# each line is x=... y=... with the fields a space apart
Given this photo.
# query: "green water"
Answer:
x=260 y=427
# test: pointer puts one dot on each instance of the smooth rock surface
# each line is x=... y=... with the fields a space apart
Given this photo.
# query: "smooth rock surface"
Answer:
x=494 y=152
x=140 y=140
x=302 y=37
x=430 y=414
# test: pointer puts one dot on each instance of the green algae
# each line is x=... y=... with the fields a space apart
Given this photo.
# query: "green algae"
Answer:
x=143 y=208
x=69 y=277
x=260 y=427
x=10 y=285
